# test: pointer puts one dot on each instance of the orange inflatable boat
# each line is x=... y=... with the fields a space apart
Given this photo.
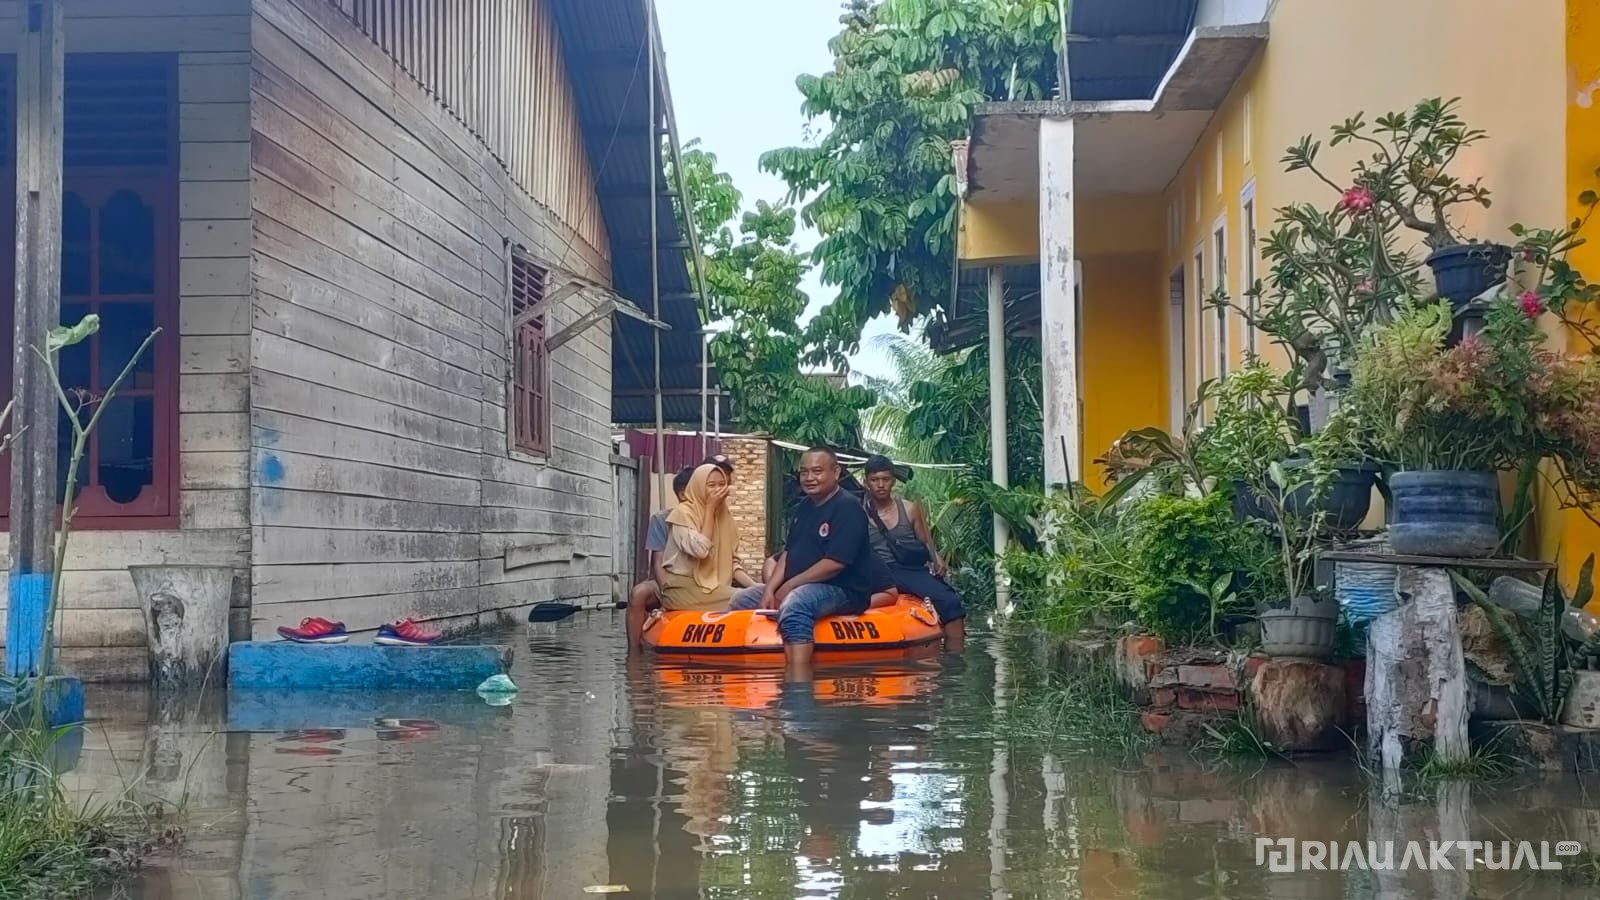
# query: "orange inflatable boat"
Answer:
x=887 y=632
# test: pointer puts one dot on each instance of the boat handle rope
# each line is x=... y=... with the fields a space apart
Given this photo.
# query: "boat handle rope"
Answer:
x=655 y=619
x=920 y=617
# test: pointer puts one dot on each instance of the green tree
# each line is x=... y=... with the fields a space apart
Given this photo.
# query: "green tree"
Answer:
x=753 y=271
x=878 y=185
x=936 y=409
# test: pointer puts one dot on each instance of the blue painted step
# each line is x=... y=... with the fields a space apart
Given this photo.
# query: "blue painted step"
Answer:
x=363 y=667
x=263 y=710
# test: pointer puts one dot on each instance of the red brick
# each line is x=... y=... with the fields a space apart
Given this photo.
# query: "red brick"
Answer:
x=1252 y=665
x=1163 y=698
x=1141 y=646
x=1205 y=700
x=1154 y=722
x=1219 y=678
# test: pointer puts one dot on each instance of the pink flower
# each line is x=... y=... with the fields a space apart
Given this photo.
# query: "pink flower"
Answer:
x=1532 y=306
x=1530 y=256
x=1370 y=286
x=1358 y=200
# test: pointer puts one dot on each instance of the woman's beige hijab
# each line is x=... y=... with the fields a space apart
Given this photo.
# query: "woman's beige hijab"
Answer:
x=716 y=569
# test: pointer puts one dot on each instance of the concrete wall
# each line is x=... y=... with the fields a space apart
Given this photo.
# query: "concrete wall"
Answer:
x=1571 y=533
x=1517 y=95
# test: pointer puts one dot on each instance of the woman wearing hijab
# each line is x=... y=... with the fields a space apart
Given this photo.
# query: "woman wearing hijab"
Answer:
x=698 y=566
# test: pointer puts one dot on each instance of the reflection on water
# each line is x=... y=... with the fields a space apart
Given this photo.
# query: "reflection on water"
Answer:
x=714 y=783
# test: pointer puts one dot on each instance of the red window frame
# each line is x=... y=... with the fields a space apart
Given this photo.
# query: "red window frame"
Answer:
x=530 y=360
x=94 y=182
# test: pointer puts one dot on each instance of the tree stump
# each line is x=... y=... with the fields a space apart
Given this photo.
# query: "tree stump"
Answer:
x=186 y=621
x=1416 y=678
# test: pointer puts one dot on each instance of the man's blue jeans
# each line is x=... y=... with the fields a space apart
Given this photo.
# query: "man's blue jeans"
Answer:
x=805 y=605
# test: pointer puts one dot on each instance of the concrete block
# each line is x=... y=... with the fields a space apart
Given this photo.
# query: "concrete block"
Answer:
x=363 y=667
x=63 y=700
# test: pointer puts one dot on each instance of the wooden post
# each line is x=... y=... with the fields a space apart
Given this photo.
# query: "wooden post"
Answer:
x=999 y=464
x=1058 y=302
x=1416 y=673
x=38 y=309
x=655 y=253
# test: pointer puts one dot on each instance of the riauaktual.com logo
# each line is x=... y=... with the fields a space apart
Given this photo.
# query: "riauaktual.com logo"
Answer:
x=1280 y=855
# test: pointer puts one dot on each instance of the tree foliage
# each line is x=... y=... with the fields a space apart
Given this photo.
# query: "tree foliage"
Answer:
x=753 y=272
x=879 y=185
x=936 y=409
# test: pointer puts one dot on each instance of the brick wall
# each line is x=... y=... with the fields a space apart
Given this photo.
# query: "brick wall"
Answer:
x=749 y=500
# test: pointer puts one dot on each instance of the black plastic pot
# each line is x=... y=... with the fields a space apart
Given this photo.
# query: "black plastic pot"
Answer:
x=1346 y=504
x=1464 y=271
x=1445 y=513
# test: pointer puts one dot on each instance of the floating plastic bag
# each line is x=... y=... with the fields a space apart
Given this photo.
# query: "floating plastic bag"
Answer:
x=497 y=690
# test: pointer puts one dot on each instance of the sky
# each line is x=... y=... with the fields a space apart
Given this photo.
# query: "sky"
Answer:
x=732 y=66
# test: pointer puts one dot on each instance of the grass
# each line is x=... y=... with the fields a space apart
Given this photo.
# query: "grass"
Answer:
x=1084 y=710
x=50 y=845
x=1482 y=763
x=1236 y=737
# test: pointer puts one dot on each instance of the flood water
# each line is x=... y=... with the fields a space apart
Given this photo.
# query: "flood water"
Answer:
x=607 y=774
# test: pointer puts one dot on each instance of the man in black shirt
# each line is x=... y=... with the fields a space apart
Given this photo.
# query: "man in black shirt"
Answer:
x=825 y=567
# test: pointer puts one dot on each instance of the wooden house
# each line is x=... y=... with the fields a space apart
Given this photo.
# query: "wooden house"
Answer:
x=384 y=241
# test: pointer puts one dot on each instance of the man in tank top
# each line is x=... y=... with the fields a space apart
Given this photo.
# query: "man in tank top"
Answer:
x=899 y=533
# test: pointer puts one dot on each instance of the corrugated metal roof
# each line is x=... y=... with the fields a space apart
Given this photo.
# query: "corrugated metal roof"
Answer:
x=604 y=42
x=1120 y=49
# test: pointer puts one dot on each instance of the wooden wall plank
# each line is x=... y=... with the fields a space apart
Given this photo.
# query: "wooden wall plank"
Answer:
x=211 y=39
x=380 y=211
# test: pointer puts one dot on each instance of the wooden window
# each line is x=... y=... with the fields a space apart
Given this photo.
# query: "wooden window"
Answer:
x=119 y=259
x=1248 y=257
x=530 y=359
x=1219 y=260
x=1247 y=127
x=1200 y=329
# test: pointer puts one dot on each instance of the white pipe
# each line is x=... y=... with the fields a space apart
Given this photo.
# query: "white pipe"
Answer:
x=998 y=443
x=999 y=768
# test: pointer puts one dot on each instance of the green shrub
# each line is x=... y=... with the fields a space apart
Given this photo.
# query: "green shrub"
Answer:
x=1083 y=569
x=1180 y=547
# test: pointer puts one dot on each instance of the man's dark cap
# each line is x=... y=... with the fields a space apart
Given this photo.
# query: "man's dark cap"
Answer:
x=680 y=481
x=721 y=461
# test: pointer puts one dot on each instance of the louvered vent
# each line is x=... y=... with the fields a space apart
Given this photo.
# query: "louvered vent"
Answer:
x=120 y=111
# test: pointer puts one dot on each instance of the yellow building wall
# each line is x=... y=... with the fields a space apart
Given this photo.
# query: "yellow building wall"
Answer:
x=998 y=232
x=1569 y=532
x=1325 y=62
x=1007 y=231
x=1124 y=376
x=1118 y=242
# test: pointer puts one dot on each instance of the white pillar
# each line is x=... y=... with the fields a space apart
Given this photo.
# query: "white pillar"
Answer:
x=1000 y=465
x=1058 y=304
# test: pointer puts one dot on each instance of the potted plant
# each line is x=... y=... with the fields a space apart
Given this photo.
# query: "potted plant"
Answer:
x=1254 y=426
x=1448 y=419
x=1305 y=622
x=1251 y=437
x=1342 y=267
